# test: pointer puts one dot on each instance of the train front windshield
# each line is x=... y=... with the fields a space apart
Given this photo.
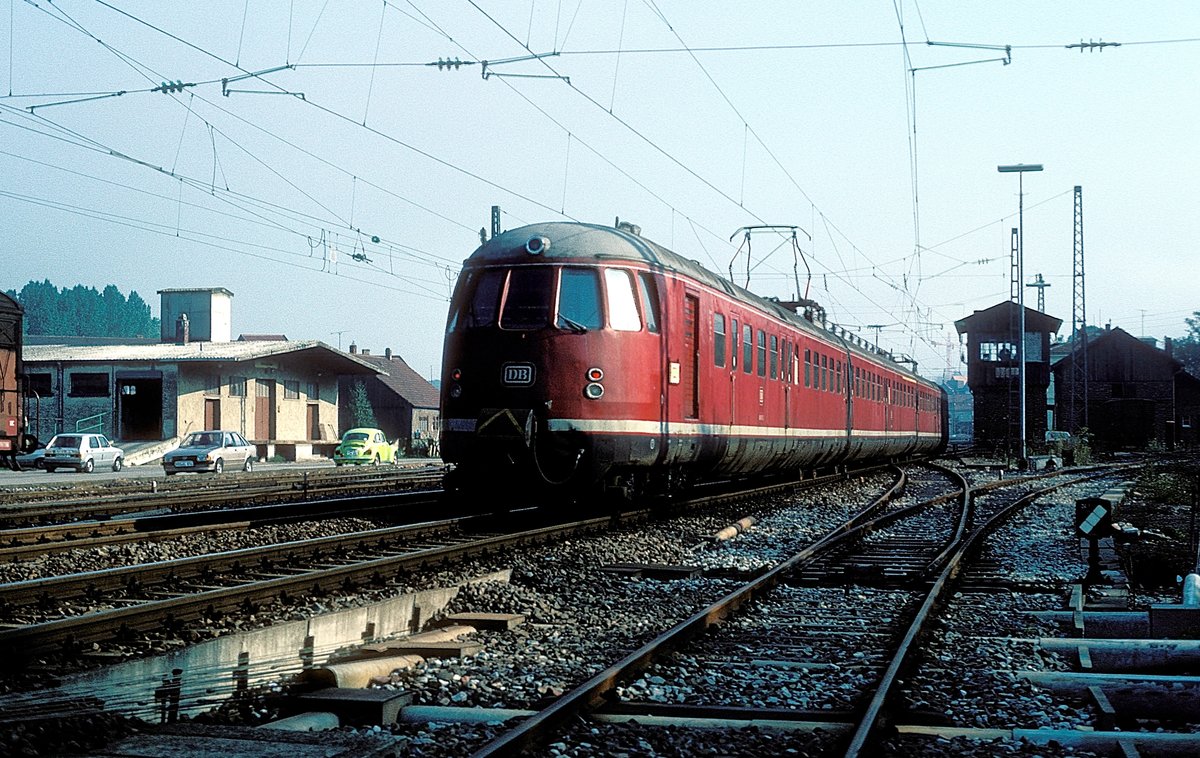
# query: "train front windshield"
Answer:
x=525 y=298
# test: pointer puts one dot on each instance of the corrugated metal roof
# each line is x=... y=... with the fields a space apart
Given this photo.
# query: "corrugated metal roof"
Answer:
x=172 y=353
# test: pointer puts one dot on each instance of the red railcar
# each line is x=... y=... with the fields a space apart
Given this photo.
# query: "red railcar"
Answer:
x=12 y=406
x=589 y=357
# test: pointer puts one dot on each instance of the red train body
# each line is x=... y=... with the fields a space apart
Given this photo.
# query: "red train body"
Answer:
x=12 y=406
x=588 y=357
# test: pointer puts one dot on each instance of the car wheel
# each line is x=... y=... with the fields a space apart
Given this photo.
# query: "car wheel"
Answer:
x=49 y=469
x=39 y=463
x=376 y=461
x=88 y=467
x=118 y=463
x=219 y=466
x=169 y=473
x=249 y=465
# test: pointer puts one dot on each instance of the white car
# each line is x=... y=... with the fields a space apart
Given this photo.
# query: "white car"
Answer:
x=82 y=452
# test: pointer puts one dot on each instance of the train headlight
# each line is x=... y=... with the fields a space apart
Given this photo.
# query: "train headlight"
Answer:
x=595 y=374
x=455 y=391
x=594 y=391
x=537 y=245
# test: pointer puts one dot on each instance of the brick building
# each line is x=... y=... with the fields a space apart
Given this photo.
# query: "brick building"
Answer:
x=993 y=371
x=405 y=405
x=1137 y=393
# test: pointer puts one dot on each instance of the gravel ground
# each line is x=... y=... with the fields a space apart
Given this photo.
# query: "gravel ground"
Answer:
x=931 y=747
x=966 y=678
x=843 y=633
x=186 y=546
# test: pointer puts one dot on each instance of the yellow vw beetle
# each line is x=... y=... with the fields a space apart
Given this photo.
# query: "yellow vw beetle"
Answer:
x=364 y=445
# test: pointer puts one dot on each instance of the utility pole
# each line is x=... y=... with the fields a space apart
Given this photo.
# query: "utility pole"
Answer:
x=1040 y=284
x=339 y=336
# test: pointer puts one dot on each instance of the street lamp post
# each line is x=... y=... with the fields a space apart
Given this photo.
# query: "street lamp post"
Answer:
x=1019 y=169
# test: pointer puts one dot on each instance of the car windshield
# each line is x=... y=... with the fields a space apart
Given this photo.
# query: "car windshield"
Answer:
x=203 y=439
x=65 y=440
x=356 y=437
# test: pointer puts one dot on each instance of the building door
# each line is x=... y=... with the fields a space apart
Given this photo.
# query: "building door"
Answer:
x=212 y=413
x=264 y=409
x=139 y=407
x=312 y=421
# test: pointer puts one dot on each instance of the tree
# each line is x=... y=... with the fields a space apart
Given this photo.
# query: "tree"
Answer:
x=361 y=412
x=84 y=312
x=1187 y=348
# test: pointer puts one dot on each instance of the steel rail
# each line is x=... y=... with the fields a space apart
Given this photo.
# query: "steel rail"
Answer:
x=262 y=558
x=965 y=545
x=172 y=611
x=594 y=691
x=101 y=625
x=229 y=490
x=77 y=534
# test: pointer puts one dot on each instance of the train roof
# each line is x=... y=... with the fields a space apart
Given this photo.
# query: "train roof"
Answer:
x=573 y=241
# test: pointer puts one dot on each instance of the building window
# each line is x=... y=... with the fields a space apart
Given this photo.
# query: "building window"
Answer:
x=997 y=351
x=313 y=391
x=89 y=385
x=291 y=389
x=39 y=383
x=237 y=386
x=212 y=384
x=718 y=339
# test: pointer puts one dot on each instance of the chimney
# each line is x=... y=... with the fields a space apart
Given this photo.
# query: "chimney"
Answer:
x=1169 y=346
x=366 y=351
x=1108 y=327
x=182 y=330
x=387 y=353
x=353 y=349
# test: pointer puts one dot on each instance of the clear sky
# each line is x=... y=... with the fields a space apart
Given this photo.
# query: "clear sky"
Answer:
x=338 y=195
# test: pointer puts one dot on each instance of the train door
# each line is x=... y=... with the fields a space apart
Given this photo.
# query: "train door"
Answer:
x=689 y=379
x=734 y=346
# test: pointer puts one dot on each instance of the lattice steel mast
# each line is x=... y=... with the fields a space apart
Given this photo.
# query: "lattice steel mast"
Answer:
x=1079 y=338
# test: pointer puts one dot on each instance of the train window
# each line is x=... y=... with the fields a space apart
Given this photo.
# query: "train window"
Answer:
x=747 y=348
x=718 y=339
x=527 y=301
x=807 y=368
x=485 y=300
x=578 y=299
x=733 y=345
x=839 y=377
x=622 y=301
x=774 y=357
x=824 y=372
x=649 y=301
x=762 y=353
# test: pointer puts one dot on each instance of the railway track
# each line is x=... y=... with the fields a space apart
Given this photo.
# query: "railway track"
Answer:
x=29 y=542
x=122 y=603
x=29 y=507
x=788 y=629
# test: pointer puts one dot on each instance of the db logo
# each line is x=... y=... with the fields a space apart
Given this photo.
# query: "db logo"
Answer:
x=518 y=374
